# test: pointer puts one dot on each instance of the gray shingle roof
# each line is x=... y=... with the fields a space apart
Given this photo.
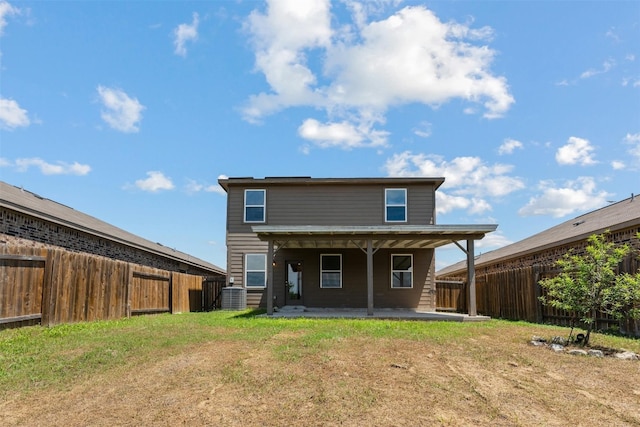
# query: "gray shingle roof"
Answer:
x=307 y=180
x=616 y=216
x=32 y=204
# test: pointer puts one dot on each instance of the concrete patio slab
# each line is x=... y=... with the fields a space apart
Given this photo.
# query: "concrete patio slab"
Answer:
x=298 y=311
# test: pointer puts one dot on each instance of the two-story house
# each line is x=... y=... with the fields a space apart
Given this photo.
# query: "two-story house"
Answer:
x=338 y=242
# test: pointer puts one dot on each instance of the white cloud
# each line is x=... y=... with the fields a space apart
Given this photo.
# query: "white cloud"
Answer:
x=11 y=115
x=576 y=151
x=414 y=57
x=578 y=195
x=469 y=181
x=446 y=203
x=635 y=82
x=617 y=165
x=6 y=9
x=613 y=35
x=606 y=67
x=369 y=67
x=633 y=139
x=280 y=38
x=196 y=187
x=155 y=182
x=345 y=135
x=184 y=33
x=509 y=145
x=122 y=112
x=59 y=168
x=423 y=130
x=493 y=240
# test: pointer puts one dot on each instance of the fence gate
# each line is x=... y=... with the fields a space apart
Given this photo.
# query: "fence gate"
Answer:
x=451 y=295
x=150 y=293
x=212 y=293
x=21 y=289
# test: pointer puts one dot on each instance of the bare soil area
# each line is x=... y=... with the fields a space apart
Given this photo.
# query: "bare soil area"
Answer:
x=353 y=381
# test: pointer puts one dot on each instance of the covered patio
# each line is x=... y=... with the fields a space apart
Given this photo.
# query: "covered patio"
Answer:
x=370 y=239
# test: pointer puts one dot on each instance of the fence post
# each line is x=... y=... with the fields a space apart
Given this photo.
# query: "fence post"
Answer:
x=171 y=292
x=50 y=290
x=128 y=290
x=202 y=300
x=46 y=289
x=537 y=294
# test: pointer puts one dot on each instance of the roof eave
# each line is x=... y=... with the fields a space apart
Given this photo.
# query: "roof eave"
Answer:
x=427 y=236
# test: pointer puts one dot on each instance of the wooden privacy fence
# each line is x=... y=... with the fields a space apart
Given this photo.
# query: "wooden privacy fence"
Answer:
x=52 y=286
x=451 y=295
x=212 y=293
x=515 y=295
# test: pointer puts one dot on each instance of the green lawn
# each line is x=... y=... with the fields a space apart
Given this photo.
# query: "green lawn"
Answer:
x=344 y=366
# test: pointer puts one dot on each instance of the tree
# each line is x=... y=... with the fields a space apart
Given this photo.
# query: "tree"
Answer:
x=590 y=283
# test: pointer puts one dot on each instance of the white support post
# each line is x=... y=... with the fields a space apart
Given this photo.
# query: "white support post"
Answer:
x=270 y=279
x=471 y=278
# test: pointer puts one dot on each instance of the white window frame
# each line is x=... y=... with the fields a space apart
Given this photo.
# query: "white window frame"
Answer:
x=263 y=205
x=410 y=270
x=247 y=271
x=388 y=205
x=330 y=271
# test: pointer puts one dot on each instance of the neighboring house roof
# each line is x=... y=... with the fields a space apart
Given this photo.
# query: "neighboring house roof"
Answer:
x=387 y=236
x=306 y=180
x=616 y=216
x=29 y=203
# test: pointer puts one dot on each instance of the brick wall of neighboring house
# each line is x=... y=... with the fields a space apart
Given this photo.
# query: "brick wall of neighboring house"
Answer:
x=18 y=225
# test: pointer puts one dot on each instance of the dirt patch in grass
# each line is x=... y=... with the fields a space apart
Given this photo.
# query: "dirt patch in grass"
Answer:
x=493 y=378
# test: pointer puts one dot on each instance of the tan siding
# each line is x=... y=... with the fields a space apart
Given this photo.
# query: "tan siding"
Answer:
x=325 y=205
x=329 y=205
x=428 y=295
x=353 y=293
x=256 y=298
x=239 y=244
x=421 y=209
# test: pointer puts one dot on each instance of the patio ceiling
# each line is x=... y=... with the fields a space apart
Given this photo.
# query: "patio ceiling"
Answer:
x=383 y=237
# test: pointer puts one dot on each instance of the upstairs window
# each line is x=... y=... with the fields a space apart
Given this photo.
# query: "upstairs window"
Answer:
x=402 y=271
x=395 y=200
x=255 y=202
x=330 y=271
x=255 y=271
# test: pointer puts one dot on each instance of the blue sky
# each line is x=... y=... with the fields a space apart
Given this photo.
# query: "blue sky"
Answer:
x=130 y=111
